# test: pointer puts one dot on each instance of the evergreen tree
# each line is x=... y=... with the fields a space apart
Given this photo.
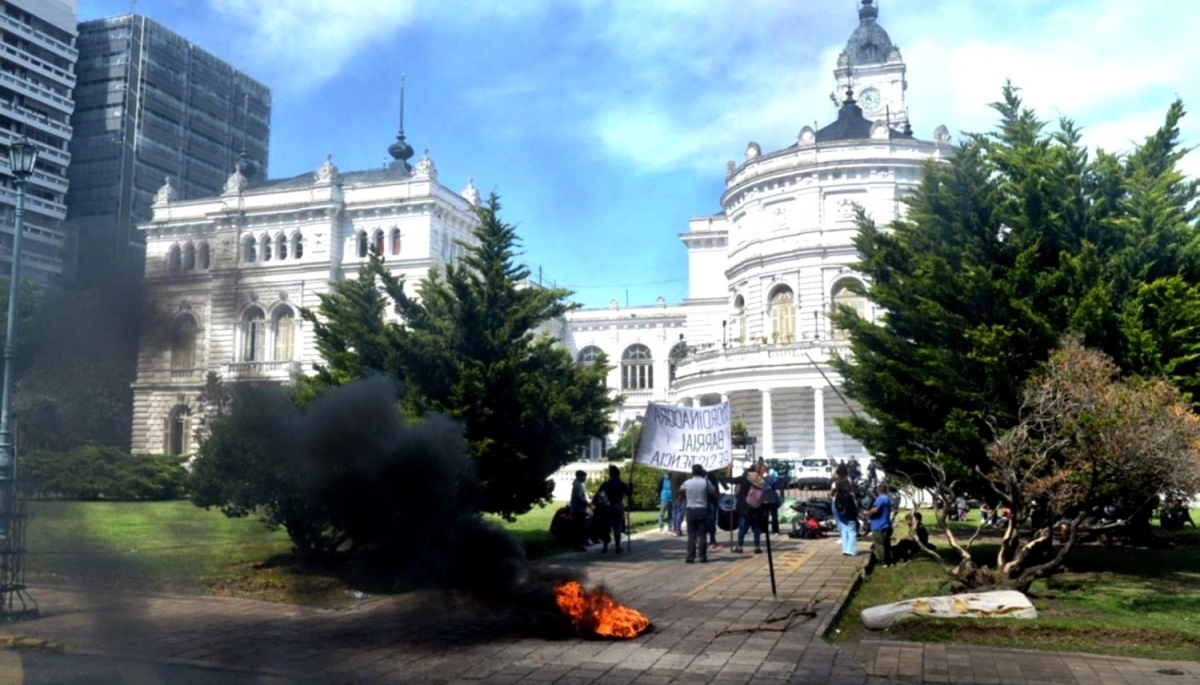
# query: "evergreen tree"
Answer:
x=472 y=346
x=1018 y=240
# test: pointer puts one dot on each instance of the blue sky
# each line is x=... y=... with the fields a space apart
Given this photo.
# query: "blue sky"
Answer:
x=606 y=125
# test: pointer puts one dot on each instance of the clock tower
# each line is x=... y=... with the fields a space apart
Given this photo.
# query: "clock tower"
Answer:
x=873 y=67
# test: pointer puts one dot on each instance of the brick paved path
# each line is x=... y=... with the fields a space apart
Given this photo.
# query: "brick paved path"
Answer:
x=435 y=639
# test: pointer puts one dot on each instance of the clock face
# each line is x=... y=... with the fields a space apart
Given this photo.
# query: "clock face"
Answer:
x=870 y=99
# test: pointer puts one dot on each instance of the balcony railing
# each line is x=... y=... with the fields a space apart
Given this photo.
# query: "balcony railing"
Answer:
x=760 y=356
x=186 y=374
x=276 y=370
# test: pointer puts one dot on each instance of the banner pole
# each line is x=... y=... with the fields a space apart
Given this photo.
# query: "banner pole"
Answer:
x=628 y=522
x=770 y=561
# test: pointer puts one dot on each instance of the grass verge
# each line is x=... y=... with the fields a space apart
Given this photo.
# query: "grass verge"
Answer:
x=179 y=548
x=1111 y=600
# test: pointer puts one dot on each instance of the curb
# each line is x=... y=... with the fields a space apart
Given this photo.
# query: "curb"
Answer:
x=842 y=600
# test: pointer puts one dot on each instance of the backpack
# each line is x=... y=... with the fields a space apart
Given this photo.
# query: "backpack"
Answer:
x=754 y=498
x=846 y=506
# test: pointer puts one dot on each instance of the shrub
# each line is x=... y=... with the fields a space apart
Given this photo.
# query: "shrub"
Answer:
x=102 y=473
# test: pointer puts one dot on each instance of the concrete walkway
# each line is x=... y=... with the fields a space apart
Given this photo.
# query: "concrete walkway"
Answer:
x=708 y=622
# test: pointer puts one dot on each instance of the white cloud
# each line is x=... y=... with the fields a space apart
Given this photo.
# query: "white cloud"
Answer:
x=302 y=44
x=1111 y=65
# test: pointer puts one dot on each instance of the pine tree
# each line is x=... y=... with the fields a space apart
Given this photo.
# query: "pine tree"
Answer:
x=1020 y=239
x=472 y=346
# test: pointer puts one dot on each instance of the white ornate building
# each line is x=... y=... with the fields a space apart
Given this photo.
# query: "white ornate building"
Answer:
x=766 y=271
x=227 y=275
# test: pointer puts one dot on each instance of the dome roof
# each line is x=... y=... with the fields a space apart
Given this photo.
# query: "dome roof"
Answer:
x=869 y=44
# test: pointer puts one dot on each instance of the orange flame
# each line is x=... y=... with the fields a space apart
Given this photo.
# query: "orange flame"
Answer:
x=596 y=612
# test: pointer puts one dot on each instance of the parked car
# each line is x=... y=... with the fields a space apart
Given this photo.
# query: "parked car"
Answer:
x=815 y=467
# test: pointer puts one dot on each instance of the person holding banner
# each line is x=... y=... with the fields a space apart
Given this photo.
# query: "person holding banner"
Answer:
x=697 y=491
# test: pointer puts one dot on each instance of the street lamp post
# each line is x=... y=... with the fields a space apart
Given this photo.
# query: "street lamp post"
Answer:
x=22 y=155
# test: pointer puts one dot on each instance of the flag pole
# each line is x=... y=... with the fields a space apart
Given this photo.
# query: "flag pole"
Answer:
x=637 y=448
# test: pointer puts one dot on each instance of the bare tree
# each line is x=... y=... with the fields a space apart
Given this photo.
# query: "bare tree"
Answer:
x=1086 y=441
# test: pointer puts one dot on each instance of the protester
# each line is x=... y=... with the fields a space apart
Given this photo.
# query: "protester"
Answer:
x=772 y=500
x=680 y=509
x=880 y=518
x=845 y=510
x=664 y=503
x=579 y=512
x=714 y=500
x=610 y=501
x=749 y=516
x=697 y=491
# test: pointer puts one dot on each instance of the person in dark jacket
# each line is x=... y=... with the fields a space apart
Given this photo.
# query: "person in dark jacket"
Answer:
x=749 y=518
x=615 y=491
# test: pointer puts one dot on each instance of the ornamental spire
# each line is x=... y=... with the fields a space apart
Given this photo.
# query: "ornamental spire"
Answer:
x=400 y=150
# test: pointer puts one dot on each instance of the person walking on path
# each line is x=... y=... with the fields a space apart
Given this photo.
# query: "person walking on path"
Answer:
x=696 y=492
x=664 y=503
x=845 y=510
x=880 y=518
x=615 y=491
x=579 y=511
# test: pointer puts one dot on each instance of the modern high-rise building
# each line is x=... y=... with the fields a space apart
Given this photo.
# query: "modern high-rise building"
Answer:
x=150 y=105
x=37 y=59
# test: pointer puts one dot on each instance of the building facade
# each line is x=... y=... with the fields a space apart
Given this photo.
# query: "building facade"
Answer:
x=766 y=271
x=226 y=275
x=151 y=105
x=37 y=75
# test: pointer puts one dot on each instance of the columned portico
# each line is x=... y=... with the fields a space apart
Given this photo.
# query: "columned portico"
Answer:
x=818 y=422
x=768 y=428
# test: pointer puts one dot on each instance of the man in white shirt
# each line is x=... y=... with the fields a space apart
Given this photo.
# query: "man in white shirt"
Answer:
x=696 y=491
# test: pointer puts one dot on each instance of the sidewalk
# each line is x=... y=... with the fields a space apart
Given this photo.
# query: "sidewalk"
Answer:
x=427 y=638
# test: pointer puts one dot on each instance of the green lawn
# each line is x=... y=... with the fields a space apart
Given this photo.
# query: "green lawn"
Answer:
x=1111 y=600
x=177 y=547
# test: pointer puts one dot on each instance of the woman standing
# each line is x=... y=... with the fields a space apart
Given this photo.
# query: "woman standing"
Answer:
x=845 y=510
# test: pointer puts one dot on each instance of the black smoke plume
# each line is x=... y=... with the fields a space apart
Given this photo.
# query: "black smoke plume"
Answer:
x=404 y=494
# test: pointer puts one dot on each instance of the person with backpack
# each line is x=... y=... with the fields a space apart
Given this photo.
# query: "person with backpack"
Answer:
x=748 y=489
x=845 y=510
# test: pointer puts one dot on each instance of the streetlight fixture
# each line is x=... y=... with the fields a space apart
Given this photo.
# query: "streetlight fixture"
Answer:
x=22 y=156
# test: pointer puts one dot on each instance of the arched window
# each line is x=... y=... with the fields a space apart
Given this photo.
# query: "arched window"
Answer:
x=844 y=295
x=395 y=241
x=202 y=257
x=588 y=356
x=265 y=242
x=254 y=334
x=739 y=319
x=362 y=243
x=173 y=259
x=281 y=246
x=284 y=323
x=297 y=245
x=377 y=241
x=189 y=257
x=637 y=368
x=178 y=426
x=783 y=316
x=183 y=343
x=250 y=251
x=678 y=352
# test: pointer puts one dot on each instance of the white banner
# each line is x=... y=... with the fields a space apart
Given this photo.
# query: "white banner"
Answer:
x=673 y=438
